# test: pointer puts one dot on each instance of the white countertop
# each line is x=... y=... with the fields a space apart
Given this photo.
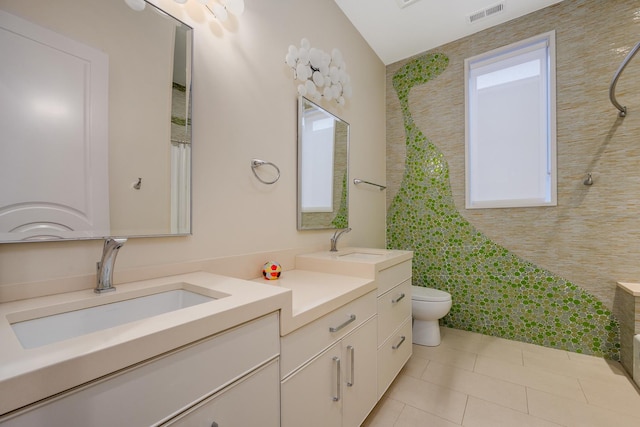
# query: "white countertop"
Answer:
x=315 y=294
x=360 y=262
x=301 y=296
x=29 y=375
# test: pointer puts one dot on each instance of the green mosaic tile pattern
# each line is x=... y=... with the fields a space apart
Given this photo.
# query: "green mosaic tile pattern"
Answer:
x=341 y=219
x=494 y=292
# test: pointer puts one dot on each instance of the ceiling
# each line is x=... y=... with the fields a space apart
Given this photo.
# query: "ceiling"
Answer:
x=396 y=33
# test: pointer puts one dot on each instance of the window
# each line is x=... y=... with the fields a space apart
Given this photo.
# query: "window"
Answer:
x=510 y=126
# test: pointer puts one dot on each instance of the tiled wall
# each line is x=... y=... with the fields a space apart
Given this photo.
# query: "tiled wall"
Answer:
x=542 y=275
x=628 y=309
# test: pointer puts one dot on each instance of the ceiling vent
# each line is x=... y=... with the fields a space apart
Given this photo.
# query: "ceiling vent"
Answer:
x=404 y=3
x=484 y=13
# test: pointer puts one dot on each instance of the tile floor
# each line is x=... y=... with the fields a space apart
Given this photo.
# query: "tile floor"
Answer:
x=475 y=380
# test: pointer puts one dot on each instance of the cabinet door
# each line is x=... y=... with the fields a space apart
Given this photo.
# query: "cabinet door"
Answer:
x=250 y=402
x=312 y=396
x=359 y=350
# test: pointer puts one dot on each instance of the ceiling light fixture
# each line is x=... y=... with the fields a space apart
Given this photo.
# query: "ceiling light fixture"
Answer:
x=221 y=8
x=404 y=3
x=137 y=5
x=321 y=75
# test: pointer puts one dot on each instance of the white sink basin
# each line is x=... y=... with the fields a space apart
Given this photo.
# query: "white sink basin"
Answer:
x=57 y=327
x=361 y=255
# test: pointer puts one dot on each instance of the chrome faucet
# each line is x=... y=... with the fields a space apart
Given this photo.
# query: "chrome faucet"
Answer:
x=106 y=264
x=336 y=236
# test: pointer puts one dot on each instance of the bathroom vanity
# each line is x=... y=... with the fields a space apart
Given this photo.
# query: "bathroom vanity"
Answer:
x=391 y=272
x=249 y=354
x=164 y=363
x=317 y=347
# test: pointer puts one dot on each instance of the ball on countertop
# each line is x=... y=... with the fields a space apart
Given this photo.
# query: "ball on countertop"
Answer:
x=271 y=270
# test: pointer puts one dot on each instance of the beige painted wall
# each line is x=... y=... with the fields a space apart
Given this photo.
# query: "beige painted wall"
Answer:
x=592 y=238
x=244 y=107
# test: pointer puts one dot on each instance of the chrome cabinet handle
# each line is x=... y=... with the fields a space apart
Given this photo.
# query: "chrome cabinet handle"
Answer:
x=337 y=328
x=338 y=396
x=397 y=346
x=352 y=355
x=396 y=300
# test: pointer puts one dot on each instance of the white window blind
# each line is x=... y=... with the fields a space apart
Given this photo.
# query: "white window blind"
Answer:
x=510 y=126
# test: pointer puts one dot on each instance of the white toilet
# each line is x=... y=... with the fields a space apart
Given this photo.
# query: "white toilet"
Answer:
x=428 y=306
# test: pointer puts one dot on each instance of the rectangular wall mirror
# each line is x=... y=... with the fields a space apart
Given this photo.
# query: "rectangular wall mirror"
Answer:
x=96 y=121
x=323 y=159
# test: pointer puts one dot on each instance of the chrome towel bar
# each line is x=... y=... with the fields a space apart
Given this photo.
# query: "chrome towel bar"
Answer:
x=362 y=181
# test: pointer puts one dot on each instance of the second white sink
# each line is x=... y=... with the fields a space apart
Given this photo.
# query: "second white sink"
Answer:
x=57 y=327
x=361 y=255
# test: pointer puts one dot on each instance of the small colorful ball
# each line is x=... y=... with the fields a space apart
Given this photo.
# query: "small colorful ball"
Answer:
x=271 y=270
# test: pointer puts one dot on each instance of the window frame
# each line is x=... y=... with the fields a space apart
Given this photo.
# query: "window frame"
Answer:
x=547 y=137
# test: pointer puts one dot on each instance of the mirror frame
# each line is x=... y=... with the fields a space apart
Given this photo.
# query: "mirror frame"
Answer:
x=339 y=216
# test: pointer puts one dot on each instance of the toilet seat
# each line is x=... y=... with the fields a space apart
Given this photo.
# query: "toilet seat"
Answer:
x=420 y=293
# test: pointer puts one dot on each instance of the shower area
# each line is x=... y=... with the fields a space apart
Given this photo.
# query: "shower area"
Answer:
x=587 y=243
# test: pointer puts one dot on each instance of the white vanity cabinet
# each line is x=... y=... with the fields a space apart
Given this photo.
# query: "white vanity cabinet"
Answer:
x=250 y=401
x=394 y=322
x=218 y=379
x=329 y=368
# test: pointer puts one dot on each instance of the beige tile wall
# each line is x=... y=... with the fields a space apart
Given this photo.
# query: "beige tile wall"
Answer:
x=592 y=238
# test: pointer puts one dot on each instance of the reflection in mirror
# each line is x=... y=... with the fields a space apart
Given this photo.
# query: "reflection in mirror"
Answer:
x=323 y=158
x=96 y=121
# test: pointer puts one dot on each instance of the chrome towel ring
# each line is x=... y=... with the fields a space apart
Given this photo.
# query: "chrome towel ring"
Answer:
x=255 y=163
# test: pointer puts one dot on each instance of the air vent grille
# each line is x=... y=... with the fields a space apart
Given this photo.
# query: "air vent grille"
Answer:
x=404 y=3
x=488 y=11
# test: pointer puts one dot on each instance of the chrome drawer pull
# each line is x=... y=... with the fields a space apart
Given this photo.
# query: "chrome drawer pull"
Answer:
x=397 y=346
x=396 y=300
x=352 y=354
x=338 y=382
x=337 y=328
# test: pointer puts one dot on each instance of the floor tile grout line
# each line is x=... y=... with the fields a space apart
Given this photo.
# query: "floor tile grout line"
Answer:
x=580 y=373
x=397 y=418
x=520 y=412
x=587 y=404
x=436 y=415
x=464 y=413
x=479 y=397
x=536 y=369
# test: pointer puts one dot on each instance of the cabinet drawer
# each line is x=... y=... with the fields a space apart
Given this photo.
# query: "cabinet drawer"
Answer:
x=303 y=344
x=162 y=387
x=392 y=356
x=393 y=276
x=393 y=308
x=251 y=401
